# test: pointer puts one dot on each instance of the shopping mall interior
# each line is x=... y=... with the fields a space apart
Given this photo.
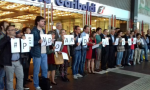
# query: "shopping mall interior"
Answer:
x=22 y=15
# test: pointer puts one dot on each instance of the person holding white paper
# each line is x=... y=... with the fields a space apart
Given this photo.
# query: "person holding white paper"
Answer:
x=131 y=54
x=105 y=51
x=39 y=52
x=26 y=30
x=111 y=59
x=11 y=61
x=99 y=49
x=91 y=53
x=76 y=51
x=64 y=49
x=120 y=50
x=84 y=50
x=125 y=61
x=51 y=62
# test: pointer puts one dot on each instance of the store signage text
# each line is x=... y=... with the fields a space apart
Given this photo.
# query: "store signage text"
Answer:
x=44 y=1
x=76 y=5
x=101 y=10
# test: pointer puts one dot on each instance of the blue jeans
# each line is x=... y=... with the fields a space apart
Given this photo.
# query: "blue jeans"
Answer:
x=2 y=75
x=37 y=62
x=82 y=63
x=76 y=62
x=145 y=52
x=119 y=57
x=131 y=55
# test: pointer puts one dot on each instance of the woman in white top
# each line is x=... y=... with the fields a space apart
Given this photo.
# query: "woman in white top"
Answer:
x=139 y=44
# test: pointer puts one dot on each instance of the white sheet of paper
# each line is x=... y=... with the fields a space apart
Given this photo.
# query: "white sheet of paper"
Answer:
x=79 y=40
x=123 y=41
x=134 y=40
x=66 y=40
x=85 y=40
x=15 y=45
x=58 y=45
x=65 y=56
x=129 y=42
x=30 y=39
x=71 y=39
x=103 y=42
x=49 y=40
x=107 y=41
x=87 y=35
x=95 y=46
x=117 y=41
x=25 y=45
x=44 y=40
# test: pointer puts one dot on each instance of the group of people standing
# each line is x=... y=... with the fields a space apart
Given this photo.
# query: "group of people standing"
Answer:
x=84 y=58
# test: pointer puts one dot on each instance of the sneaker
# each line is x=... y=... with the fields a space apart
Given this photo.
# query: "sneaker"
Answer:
x=26 y=88
x=50 y=87
x=38 y=88
x=139 y=63
x=75 y=77
x=79 y=75
x=129 y=64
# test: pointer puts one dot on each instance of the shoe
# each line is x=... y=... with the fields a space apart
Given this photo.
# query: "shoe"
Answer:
x=75 y=77
x=97 y=70
x=66 y=79
x=84 y=74
x=26 y=88
x=121 y=66
x=51 y=87
x=63 y=79
x=53 y=83
x=79 y=75
x=139 y=63
x=129 y=64
x=29 y=80
x=38 y=88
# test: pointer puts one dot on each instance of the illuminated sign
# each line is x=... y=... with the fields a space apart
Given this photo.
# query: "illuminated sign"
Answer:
x=76 y=5
x=101 y=10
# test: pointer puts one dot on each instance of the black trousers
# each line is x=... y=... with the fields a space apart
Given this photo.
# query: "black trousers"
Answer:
x=125 y=59
x=111 y=57
x=26 y=71
x=104 y=60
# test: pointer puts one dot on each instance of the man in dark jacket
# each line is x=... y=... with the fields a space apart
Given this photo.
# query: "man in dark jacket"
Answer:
x=38 y=52
x=11 y=61
x=111 y=59
x=105 y=51
x=3 y=26
x=126 y=53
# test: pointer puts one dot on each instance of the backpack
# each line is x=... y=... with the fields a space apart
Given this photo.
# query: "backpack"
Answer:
x=44 y=83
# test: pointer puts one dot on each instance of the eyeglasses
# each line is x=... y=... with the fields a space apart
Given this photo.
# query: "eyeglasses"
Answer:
x=12 y=30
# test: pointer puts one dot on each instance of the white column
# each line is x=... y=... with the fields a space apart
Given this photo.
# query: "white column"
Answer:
x=109 y=23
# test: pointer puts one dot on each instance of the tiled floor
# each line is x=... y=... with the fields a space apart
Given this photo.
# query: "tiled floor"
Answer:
x=130 y=78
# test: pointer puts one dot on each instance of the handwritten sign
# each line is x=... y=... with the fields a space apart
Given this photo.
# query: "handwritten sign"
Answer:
x=58 y=45
x=15 y=45
x=25 y=46
x=30 y=39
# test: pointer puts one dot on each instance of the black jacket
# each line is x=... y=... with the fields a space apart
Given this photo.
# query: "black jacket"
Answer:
x=5 y=54
x=126 y=39
x=111 y=40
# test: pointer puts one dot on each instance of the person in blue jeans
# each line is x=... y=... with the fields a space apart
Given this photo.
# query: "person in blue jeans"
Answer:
x=145 y=49
x=38 y=52
x=120 y=50
x=76 y=53
x=84 y=49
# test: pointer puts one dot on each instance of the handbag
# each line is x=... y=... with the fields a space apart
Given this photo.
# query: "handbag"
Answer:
x=58 y=59
x=141 y=46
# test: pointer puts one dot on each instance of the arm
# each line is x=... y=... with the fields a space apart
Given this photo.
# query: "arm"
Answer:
x=4 y=41
x=35 y=40
x=49 y=51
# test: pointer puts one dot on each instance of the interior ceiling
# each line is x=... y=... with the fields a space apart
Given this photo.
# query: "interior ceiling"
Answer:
x=14 y=12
